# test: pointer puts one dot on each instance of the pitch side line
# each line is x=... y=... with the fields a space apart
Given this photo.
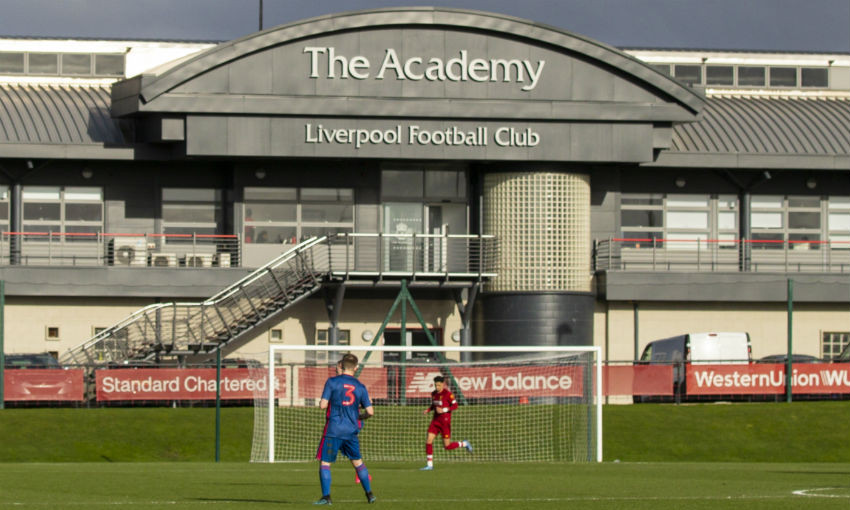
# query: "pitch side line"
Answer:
x=809 y=492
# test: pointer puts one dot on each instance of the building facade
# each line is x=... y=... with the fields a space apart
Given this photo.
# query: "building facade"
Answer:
x=633 y=194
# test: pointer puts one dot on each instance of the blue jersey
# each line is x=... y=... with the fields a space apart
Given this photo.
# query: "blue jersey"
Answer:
x=345 y=396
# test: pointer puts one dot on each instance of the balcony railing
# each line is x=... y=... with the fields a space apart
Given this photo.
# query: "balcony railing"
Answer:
x=120 y=250
x=726 y=255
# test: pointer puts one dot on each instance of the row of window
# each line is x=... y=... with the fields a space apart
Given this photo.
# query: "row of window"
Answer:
x=285 y=215
x=748 y=76
x=62 y=64
x=774 y=219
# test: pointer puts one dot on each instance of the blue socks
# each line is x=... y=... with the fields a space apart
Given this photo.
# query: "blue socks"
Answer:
x=325 y=479
x=363 y=474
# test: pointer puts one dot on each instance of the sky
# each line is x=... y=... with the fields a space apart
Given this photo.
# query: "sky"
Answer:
x=770 y=25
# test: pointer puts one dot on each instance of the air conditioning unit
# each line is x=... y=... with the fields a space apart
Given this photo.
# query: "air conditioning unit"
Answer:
x=163 y=259
x=199 y=260
x=130 y=251
x=223 y=260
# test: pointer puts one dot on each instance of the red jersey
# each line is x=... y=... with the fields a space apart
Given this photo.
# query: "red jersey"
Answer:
x=444 y=400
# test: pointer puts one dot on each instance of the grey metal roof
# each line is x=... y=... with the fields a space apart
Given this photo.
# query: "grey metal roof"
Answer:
x=772 y=125
x=57 y=114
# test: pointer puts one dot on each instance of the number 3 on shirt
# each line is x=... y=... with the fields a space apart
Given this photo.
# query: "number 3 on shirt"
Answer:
x=349 y=394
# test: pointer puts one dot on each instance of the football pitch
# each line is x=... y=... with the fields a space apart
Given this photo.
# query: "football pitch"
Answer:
x=610 y=485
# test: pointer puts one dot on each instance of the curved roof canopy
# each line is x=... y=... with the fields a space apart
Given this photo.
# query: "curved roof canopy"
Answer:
x=575 y=69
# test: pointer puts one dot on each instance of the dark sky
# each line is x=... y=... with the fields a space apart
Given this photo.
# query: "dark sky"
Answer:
x=782 y=25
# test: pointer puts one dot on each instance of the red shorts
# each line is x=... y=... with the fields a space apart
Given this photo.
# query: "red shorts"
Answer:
x=441 y=426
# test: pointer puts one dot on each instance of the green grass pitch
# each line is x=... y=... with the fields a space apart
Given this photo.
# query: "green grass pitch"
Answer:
x=491 y=486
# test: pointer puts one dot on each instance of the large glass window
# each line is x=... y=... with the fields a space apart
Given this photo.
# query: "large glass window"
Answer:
x=751 y=76
x=285 y=215
x=679 y=219
x=719 y=75
x=76 y=64
x=802 y=221
x=4 y=208
x=43 y=63
x=783 y=76
x=838 y=222
x=190 y=211
x=814 y=77
x=69 y=210
x=690 y=74
x=12 y=63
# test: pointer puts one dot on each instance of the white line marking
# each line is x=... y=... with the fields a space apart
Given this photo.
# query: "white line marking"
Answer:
x=809 y=492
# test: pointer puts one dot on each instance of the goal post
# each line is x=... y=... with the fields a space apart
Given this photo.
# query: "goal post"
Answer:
x=516 y=404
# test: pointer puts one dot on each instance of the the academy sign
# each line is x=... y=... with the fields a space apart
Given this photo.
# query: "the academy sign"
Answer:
x=327 y=63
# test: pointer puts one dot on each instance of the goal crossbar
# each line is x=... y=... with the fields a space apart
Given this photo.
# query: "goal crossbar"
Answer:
x=519 y=349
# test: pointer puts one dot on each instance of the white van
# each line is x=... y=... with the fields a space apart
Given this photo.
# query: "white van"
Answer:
x=695 y=348
x=700 y=348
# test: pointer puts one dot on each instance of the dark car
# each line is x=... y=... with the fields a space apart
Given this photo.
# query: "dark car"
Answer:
x=40 y=360
x=783 y=358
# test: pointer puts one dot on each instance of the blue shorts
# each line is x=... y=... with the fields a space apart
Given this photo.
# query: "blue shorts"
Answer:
x=329 y=446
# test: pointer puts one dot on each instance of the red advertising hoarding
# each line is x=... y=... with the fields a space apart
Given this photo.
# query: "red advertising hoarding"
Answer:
x=311 y=381
x=637 y=380
x=495 y=381
x=767 y=378
x=183 y=384
x=43 y=384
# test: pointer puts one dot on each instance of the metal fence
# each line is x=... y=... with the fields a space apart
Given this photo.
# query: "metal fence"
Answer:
x=119 y=249
x=726 y=255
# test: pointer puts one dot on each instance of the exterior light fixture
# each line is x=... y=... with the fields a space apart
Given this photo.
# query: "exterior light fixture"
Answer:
x=87 y=173
x=811 y=183
x=260 y=174
x=680 y=182
x=367 y=335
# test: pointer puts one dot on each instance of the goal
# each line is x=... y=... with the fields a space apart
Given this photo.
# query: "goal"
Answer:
x=516 y=404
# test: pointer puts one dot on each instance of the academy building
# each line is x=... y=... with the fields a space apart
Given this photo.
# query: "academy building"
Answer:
x=599 y=195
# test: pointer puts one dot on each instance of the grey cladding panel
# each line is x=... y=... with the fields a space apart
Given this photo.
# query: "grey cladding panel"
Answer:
x=248 y=136
x=206 y=135
x=252 y=74
x=215 y=81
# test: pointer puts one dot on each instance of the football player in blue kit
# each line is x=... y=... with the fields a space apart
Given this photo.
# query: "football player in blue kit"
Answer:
x=347 y=403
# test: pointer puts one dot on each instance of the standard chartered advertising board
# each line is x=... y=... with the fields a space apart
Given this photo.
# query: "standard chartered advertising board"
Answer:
x=418 y=93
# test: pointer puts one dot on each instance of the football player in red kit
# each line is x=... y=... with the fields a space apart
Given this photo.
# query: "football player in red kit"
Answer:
x=443 y=402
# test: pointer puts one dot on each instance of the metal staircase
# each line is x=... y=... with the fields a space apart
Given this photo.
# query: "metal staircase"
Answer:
x=187 y=333
x=191 y=332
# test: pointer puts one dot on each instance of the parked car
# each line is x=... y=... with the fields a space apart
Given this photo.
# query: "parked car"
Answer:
x=37 y=360
x=783 y=358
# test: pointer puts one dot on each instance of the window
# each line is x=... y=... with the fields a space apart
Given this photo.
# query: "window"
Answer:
x=4 y=208
x=838 y=222
x=428 y=184
x=798 y=219
x=681 y=219
x=190 y=211
x=76 y=64
x=51 y=333
x=11 y=63
x=783 y=76
x=109 y=65
x=833 y=344
x=690 y=74
x=719 y=75
x=76 y=212
x=814 y=77
x=323 y=337
x=285 y=215
x=662 y=68
x=43 y=63
x=276 y=335
x=749 y=76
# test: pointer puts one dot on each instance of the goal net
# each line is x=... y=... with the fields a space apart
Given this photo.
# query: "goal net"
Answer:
x=516 y=404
